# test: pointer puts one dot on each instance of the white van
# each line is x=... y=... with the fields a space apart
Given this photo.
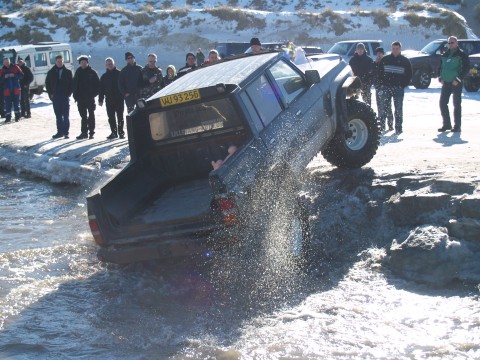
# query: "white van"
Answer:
x=39 y=57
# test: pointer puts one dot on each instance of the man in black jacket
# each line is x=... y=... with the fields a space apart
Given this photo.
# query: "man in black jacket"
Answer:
x=85 y=88
x=113 y=99
x=58 y=83
x=130 y=81
x=189 y=65
x=362 y=65
x=25 y=89
x=395 y=73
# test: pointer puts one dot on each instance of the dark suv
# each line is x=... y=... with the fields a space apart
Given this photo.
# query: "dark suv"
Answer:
x=472 y=80
x=426 y=62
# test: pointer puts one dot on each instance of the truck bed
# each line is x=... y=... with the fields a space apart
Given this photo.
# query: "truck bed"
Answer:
x=191 y=199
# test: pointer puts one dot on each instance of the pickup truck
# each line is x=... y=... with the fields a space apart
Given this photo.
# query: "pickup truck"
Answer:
x=219 y=153
x=471 y=82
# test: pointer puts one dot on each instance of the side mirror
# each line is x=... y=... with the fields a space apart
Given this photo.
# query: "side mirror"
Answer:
x=312 y=77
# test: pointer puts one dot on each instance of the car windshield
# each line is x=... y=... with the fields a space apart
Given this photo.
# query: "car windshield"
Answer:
x=339 y=48
x=197 y=120
x=431 y=48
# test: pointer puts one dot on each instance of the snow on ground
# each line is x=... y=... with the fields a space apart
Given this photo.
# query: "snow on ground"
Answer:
x=28 y=147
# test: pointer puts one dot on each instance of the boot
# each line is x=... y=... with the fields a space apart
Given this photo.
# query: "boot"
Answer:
x=82 y=136
x=112 y=136
x=8 y=118
x=17 y=117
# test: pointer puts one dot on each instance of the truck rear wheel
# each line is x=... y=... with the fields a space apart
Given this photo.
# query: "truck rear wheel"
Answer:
x=357 y=147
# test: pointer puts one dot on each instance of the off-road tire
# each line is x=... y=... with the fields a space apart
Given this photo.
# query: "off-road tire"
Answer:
x=421 y=79
x=471 y=86
x=354 y=151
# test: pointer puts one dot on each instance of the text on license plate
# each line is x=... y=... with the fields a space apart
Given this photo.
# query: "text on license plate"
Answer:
x=179 y=98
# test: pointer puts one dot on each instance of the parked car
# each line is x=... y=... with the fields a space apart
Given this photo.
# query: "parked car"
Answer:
x=347 y=48
x=426 y=62
x=472 y=81
x=222 y=149
x=39 y=57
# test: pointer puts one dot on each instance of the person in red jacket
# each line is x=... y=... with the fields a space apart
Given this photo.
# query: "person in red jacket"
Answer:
x=11 y=75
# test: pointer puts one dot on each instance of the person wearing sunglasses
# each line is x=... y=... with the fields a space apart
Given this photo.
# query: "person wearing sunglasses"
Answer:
x=453 y=68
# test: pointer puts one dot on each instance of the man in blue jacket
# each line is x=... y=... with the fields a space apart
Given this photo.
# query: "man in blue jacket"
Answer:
x=455 y=65
x=11 y=75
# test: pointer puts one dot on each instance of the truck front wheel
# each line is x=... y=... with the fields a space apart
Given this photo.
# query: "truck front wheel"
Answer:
x=470 y=85
x=421 y=79
x=357 y=146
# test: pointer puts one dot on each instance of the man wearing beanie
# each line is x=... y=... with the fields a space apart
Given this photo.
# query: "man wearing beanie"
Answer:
x=85 y=87
x=130 y=81
x=189 y=66
x=361 y=65
x=255 y=45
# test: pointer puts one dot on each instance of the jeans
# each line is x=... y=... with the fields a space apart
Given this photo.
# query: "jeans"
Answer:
x=88 y=122
x=61 y=107
x=25 y=101
x=15 y=101
x=383 y=113
x=397 y=93
x=115 y=108
x=448 y=89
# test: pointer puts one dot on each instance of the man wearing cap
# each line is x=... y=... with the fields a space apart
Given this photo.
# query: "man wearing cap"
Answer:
x=11 y=76
x=255 y=45
x=130 y=81
x=189 y=66
x=25 y=91
x=382 y=114
x=85 y=87
x=361 y=65
x=58 y=84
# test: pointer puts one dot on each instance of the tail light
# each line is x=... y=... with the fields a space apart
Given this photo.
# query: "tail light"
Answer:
x=92 y=221
x=227 y=207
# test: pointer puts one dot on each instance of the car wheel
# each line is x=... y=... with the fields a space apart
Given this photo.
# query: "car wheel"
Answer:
x=422 y=79
x=357 y=146
x=471 y=86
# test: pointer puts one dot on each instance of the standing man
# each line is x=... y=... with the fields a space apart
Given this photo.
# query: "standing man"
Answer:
x=11 y=75
x=113 y=98
x=25 y=92
x=189 y=66
x=454 y=67
x=152 y=77
x=395 y=73
x=59 y=85
x=85 y=88
x=361 y=65
x=130 y=81
x=382 y=114
x=255 y=45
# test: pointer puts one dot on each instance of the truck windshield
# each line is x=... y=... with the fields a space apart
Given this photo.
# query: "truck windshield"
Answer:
x=431 y=48
x=195 y=120
x=339 y=48
x=7 y=54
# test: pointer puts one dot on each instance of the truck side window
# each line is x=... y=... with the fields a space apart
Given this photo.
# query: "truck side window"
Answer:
x=40 y=59
x=64 y=53
x=264 y=99
x=289 y=82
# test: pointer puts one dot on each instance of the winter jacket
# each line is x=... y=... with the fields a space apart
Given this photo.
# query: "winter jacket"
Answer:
x=185 y=69
x=376 y=74
x=11 y=85
x=130 y=80
x=27 y=76
x=395 y=71
x=362 y=67
x=454 y=66
x=149 y=89
x=166 y=79
x=109 y=87
x=85 y=84
x=56 y=86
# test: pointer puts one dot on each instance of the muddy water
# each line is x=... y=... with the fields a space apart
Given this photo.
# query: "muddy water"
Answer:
x=57 y=301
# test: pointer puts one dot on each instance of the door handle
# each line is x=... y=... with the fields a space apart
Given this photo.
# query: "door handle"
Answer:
x=272 y=141
x=298 y=112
